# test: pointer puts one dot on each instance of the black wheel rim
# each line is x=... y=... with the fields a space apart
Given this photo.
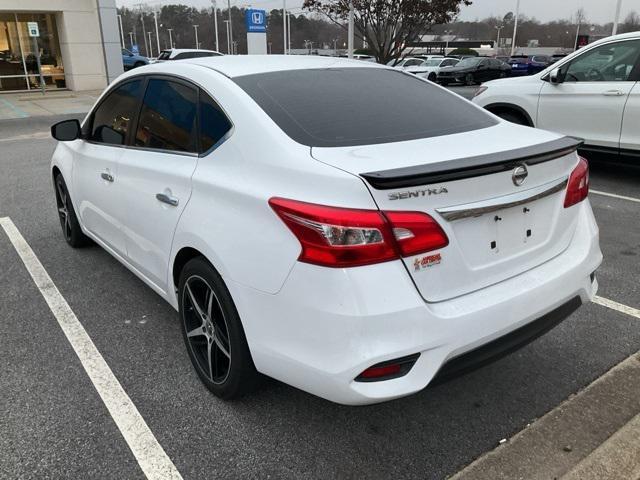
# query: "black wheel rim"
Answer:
x=206 y=329
x=63 y=201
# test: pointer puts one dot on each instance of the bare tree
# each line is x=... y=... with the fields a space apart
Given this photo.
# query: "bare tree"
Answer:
x=389 y=26
x=631 y=23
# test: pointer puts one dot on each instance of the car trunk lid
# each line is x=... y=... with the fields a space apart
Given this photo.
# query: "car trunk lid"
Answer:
x=499 y=221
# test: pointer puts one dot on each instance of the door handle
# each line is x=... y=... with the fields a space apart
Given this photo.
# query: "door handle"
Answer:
x=107 y=176
x=164 y=198
x=613 y=93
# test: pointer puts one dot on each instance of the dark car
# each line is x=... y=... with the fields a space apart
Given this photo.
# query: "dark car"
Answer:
x=528 y=64
x=471 y=71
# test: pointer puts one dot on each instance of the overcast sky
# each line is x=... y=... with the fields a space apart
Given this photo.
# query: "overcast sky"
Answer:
x=598 y=11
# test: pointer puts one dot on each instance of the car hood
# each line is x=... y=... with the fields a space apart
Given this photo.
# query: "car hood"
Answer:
x=457 y=69
x=503 y=82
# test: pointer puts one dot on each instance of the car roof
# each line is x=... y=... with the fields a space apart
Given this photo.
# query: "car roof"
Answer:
x=240 y=65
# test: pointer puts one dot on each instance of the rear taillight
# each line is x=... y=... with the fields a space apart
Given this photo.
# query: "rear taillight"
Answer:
x=342 y=237
x=416 y=232
x=578 y=186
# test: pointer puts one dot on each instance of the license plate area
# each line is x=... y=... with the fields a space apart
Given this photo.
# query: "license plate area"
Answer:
x=505 y=234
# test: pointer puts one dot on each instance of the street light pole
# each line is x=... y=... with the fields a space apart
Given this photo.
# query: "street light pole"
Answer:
x=144 y=33
x=289 y=32
x=351 y=31
x=515 y=29
x=131 y=39
x=170 y=38
x=150 y=45
x=121 y=32
x=226 y=22
x=215 y=23
x=284 y=26
x=195 y=27
x=617 y=18
x=498 y=27
x=230 y=23
x=155 y=19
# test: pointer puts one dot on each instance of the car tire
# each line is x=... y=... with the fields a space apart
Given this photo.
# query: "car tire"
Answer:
x=68 y=220
x=513 y=118
x=138 y=64
x=432 y=77
x=469 y=80
x=213 y=333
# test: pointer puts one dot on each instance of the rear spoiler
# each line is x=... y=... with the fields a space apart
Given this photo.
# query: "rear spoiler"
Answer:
x=462 y=168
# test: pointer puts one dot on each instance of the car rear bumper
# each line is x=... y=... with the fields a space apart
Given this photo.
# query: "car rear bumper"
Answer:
x=326 y=326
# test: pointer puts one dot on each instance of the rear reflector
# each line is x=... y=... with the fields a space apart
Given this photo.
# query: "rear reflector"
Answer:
x=388 y=370
x=578 y=187
x=343 y=237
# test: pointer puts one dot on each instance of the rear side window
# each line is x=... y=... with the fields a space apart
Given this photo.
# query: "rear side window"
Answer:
x=330 y=107
x=183 y=55
x=168 y=117
x=214 y=124
x=112 y=119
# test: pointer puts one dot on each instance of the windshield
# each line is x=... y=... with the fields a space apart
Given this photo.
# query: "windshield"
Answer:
x=329 y=107
x=164 y=55
x=434 y=62
x=469 y=62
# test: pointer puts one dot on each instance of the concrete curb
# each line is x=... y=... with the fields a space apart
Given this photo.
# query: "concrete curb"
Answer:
x=555 y=444
x=617 y=458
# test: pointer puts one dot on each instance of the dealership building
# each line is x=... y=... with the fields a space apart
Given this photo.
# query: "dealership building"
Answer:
x=78 y=42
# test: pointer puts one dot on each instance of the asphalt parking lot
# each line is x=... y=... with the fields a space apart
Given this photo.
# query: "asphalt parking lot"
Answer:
x=55 y=425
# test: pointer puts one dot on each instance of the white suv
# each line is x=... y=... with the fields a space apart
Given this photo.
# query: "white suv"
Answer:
x=354 y=243
x=593 y=94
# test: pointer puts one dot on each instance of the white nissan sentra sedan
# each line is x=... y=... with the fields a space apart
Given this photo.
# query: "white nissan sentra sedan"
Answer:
x=344 y=227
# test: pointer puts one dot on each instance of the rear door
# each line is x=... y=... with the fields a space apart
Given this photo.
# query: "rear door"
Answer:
x=590 y=101
x=155 y=173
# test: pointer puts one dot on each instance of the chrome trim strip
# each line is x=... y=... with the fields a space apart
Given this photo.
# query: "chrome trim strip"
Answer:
x=488 y=206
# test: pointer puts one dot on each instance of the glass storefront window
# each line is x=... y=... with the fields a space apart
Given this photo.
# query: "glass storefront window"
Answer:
x=18 y=62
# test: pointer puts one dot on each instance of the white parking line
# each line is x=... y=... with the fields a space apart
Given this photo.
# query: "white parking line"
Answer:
x=152 y=459
x=605 y=302
x=613 y=195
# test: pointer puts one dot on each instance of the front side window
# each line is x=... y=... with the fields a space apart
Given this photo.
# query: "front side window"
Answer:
x=606 y=63
x=111 y=121
x=214 y=124
x=168 y=117
x=394 y=107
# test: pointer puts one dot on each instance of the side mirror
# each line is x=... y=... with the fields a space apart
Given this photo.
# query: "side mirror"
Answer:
x=554 y=77
x=66 y=131
x=131 y=54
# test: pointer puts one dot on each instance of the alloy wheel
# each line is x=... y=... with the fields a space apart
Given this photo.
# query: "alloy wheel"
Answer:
x=63 y=208
x=206 y=329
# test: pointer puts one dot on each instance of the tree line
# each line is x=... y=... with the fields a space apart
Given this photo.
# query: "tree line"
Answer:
x=387 y=32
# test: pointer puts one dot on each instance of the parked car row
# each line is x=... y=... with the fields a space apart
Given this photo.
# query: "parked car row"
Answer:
x=448 y=69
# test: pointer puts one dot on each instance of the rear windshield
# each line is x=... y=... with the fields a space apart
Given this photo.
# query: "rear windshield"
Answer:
x=519 y=60
x=359 y=106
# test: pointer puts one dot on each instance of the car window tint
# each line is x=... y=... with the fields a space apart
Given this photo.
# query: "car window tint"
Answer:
x=329 y=107
x=606 y=63
x=183 y=55
x=214 y=124
x=111 y=120
x=167 y=118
